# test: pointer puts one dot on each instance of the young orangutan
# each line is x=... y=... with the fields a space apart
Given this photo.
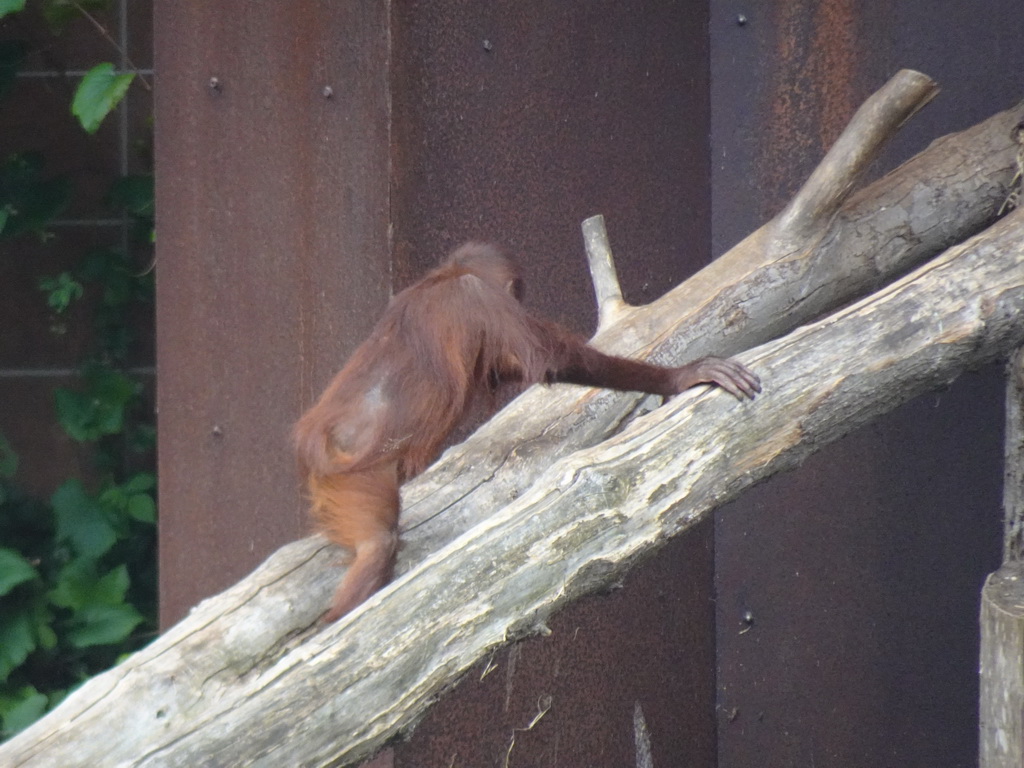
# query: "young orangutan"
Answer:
x=455 y=335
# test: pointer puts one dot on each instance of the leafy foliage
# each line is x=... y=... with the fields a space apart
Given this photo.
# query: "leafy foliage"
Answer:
x=99 y=92
x=11 y=6
x=28 y=200
x=60 y=13
x=77 y=570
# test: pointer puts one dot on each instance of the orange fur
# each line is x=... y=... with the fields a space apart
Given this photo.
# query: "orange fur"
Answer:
x=358 y=511
x=441 y=344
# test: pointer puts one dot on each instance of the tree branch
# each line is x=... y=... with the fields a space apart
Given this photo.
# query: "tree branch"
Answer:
x=251 y=652
x=610 y=304
x=872 y=125
x=589 y=517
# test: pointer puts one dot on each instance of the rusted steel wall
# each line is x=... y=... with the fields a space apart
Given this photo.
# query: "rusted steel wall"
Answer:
x=513 y=122
x=272 y=253
x=861 y=571
x=646 y=644
x=509 y=122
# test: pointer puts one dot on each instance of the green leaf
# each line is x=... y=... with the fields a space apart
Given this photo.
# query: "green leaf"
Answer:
x=80 y=520
x=61 y=290
x=60 y=13
x=134 y=194
x=132 y=498
x=73 y=583
x=99 y=409
x=103 y=625
x=29 y=201
x=17 y=640
x=22 y=709
x=139 y=483
x=100 y=91
x=113 y=497
x=120 y=281
x=111 y=588
x=79 y=586
x=11 y=6
x=74 y=412
x=142 y=507
x=46 y=636
x=14 y=570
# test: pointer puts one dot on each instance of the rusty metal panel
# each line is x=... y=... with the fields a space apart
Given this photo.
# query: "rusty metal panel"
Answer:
x=272 y=252
x=515 y=121
x=646 y=644
x=848 y=590
x=858 y=576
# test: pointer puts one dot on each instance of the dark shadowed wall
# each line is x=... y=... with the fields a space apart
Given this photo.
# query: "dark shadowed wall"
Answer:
x=862 y=570
x=513 y=122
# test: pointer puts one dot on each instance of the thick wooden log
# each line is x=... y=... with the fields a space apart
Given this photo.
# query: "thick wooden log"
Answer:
x=343 y=693
x=763 y=287
x=1013 y=478
x=1001 y=666
x=1001 y=715
x=206 y=664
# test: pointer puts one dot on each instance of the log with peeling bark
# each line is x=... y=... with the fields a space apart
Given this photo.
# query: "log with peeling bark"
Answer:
x=593 y=514
x=1001 y=663
x=807 y=261
x=1001 y=669
x=246 y=680
x=346 y=691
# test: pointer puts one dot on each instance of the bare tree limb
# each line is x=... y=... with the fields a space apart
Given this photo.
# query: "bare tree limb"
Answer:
x=184 y=694
x=755 y=292
x=610 y=304
x=872 y=126
x=344 y=692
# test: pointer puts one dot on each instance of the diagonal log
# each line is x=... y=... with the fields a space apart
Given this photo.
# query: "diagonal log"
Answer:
x=343 y=693
x=590 y=516
x=763 y=287
x=174 y=690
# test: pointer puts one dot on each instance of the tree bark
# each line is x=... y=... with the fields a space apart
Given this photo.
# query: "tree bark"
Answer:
x=246 y=680
x=1001 y=711
x=346 y=691
x=1013 y=478
x=763 y=287
x=1001 y=663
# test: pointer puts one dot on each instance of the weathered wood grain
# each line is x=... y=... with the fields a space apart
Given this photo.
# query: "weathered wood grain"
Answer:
x=344 y=692
x=181 y=697
x=593 y=514
x=1001 y=716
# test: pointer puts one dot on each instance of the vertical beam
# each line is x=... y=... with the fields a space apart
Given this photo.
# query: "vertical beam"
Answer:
x=272 y=155
x=1001 y=711
x=1001 y=740
x=1013 y=482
